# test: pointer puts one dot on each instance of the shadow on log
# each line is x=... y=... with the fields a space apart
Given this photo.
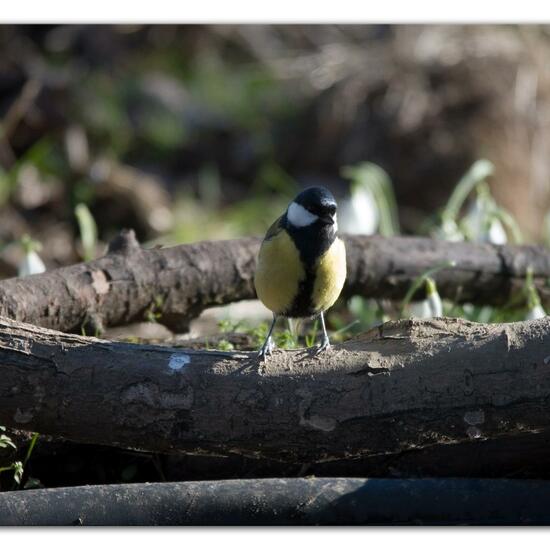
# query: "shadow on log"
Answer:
x=329 y=501
x=406 y=385
x=178 y=283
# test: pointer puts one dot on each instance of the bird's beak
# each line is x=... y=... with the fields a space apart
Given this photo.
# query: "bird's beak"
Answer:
x=327 y=219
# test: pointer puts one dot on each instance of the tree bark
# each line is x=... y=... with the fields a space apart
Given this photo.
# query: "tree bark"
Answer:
x=405 y=385
x=176 y=284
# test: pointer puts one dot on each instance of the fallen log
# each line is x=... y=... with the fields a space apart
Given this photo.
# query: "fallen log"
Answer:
x=405 y=385
x=291 y=501
x=176 y=284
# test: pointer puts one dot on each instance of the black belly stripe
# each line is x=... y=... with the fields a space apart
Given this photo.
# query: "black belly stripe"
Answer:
x=302 y=305
x=312 y=242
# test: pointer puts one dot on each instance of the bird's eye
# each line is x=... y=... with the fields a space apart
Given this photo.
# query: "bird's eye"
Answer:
x=331 y=209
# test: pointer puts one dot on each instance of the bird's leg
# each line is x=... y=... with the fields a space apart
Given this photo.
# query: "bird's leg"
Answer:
x=325 y=343
x=268 y=346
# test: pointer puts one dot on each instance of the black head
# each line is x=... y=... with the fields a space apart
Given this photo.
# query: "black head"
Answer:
x=319 y=202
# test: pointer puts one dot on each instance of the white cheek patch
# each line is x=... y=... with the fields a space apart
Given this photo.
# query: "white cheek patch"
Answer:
x=298 y=216
x=335 y=223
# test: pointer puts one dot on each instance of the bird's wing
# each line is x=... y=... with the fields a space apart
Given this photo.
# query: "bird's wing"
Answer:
x=275 y=229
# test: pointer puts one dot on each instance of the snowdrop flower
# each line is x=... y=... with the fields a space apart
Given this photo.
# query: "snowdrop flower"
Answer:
x=431 y=306
x=420 y=310
x=496 y=233
x=481 y=223
x=536 y=312
x=359 y=213
x=434 y=300
x=31 y=263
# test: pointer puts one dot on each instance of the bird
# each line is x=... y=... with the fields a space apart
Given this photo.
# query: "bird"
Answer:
x=301 y=266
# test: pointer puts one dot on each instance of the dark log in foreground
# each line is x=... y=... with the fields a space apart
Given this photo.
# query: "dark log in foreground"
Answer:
x=405 y=385
x=302 y=501
x=179 y=283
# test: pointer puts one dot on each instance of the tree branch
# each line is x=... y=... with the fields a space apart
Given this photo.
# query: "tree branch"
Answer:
x=405 y=385
x=178 y=283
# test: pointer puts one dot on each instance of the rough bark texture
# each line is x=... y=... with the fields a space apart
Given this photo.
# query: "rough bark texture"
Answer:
x=178 y=283
x=403 y=386
x=130 y=281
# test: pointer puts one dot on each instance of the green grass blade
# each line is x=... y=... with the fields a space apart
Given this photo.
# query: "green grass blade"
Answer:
x=479 y=171
x=508 y=220
x=88 y=231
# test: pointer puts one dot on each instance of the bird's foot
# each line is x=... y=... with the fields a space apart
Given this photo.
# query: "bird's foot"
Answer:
x=325 y=346
x=266 y=349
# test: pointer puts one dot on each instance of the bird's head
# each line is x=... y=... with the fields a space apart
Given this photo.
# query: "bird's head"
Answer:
x=314 y=205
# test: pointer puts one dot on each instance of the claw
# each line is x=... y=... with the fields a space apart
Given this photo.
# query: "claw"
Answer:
x=266 y=349
x=269 y=345
x=325 y=346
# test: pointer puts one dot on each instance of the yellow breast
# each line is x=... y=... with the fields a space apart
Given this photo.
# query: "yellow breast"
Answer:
x=278 y=273
x=330 y=276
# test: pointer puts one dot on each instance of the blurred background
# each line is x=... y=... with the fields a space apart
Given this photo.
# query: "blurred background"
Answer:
x=200 y=132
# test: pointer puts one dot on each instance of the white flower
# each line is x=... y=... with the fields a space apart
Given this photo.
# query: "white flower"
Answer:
x=359 y=214
x=436 y=307
x=420 y=310
x=495 y=234
x=481 y=224
x=31 y=264
x=536 y=312
x=431 y=306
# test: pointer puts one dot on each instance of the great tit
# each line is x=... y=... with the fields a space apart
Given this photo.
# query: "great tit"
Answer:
x=302 y=263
